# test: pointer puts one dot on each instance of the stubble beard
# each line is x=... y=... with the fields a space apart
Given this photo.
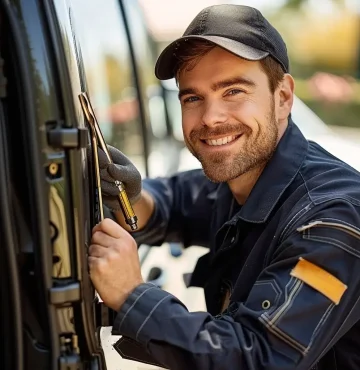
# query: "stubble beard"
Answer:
x=254 y=153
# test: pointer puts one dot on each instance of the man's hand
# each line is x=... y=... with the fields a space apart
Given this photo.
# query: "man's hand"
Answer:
x=122 y=170
x=114 y=263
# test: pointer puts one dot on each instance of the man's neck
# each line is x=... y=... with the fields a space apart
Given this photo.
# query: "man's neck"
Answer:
x=242 y=185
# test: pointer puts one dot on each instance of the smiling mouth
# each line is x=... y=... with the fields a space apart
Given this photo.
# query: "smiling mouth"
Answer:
x=221 y=141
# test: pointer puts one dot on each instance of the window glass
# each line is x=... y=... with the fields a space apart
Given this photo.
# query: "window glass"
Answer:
x=164 y=151
x=109 y=74
x=174 y=107
x=145 y=55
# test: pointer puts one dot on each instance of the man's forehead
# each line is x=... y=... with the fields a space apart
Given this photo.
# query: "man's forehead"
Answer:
x=213 y=77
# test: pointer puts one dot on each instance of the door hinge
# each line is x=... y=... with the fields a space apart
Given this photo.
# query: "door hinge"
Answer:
x=67 y=138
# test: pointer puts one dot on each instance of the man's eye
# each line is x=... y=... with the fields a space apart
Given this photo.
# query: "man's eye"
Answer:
x=234 y=92
x=191 y=99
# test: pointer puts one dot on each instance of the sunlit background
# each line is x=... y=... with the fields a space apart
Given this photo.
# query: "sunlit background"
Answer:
x=322 y=36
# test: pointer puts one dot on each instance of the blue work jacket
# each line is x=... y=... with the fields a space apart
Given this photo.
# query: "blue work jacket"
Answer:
x=289 y=258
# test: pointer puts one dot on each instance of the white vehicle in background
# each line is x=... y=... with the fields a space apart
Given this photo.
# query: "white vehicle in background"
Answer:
x=310 y=124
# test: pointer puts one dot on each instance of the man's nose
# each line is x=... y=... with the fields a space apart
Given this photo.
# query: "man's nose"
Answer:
x=213 y=114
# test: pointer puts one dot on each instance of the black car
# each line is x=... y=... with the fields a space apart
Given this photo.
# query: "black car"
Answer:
x=50 y=52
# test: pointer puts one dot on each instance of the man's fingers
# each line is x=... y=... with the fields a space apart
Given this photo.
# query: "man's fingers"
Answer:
x=97 y=265
x=100 y=238
x=110 y=227
x=92 y=261
x=97 y=251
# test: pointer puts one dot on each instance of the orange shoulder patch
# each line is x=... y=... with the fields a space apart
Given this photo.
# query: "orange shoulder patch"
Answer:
x=319 y=279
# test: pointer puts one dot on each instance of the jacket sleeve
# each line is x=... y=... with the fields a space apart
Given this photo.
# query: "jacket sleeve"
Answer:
x=182 y=210
x=297 y=305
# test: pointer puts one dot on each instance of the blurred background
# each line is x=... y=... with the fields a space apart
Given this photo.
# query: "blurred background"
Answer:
x=119 y=41
x=119 y=50
x=323 y=39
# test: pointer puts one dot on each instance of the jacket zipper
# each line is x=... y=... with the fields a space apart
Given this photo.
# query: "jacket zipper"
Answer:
x=348 y=229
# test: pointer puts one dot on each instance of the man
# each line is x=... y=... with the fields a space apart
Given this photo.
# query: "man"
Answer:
x=280 y=215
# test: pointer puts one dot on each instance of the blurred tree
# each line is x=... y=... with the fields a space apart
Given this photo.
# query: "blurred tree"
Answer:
x=296 y=4
x=324 y=36
x=117 y=76
x=340 y=55
x=309 y=25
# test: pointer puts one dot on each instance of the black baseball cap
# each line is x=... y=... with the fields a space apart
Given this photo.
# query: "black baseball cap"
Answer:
x=239 y=29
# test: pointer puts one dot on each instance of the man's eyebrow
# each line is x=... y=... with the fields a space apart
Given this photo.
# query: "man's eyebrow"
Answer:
x=233 y=81
x=220 y=85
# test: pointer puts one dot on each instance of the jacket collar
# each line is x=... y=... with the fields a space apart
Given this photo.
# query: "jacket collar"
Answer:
x=276 y=177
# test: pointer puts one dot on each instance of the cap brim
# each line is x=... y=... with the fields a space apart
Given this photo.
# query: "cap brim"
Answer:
x=166 y=63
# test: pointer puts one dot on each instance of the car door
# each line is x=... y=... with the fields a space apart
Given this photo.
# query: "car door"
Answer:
x=98 y=61
x=48 y=203
x=11 y=351
x=49 y=59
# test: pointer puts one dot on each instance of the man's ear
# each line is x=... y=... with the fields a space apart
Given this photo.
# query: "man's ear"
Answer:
x=286 y=96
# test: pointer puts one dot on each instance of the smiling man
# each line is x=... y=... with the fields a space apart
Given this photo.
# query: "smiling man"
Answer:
x=230 y=122
x=280 y=216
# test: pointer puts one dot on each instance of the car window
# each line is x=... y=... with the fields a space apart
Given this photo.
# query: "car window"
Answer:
x=109 y=74
x=145 y=55
x=174 y=107
x=144 y=46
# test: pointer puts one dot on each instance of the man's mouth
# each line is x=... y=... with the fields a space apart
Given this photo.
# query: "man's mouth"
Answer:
x=221 y=141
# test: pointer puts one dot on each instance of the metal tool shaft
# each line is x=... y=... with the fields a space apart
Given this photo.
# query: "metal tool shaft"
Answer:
x=97 y=175
x=127 y=210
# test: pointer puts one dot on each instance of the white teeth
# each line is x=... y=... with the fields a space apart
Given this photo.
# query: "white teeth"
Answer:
x=221 y=141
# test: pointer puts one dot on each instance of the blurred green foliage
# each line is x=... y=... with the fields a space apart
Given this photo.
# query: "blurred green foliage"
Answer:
x=323 y=41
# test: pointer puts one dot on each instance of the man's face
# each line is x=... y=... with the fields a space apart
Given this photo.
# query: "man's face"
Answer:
x=228 y=115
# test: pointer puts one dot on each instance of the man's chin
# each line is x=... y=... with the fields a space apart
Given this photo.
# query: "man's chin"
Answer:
x=218 y=175
x=220 y=170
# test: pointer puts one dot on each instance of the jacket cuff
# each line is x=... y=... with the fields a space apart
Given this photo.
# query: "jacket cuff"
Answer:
x=133 y=319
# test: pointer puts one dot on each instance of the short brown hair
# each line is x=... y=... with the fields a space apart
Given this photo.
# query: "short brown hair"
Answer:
x=191 y=51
